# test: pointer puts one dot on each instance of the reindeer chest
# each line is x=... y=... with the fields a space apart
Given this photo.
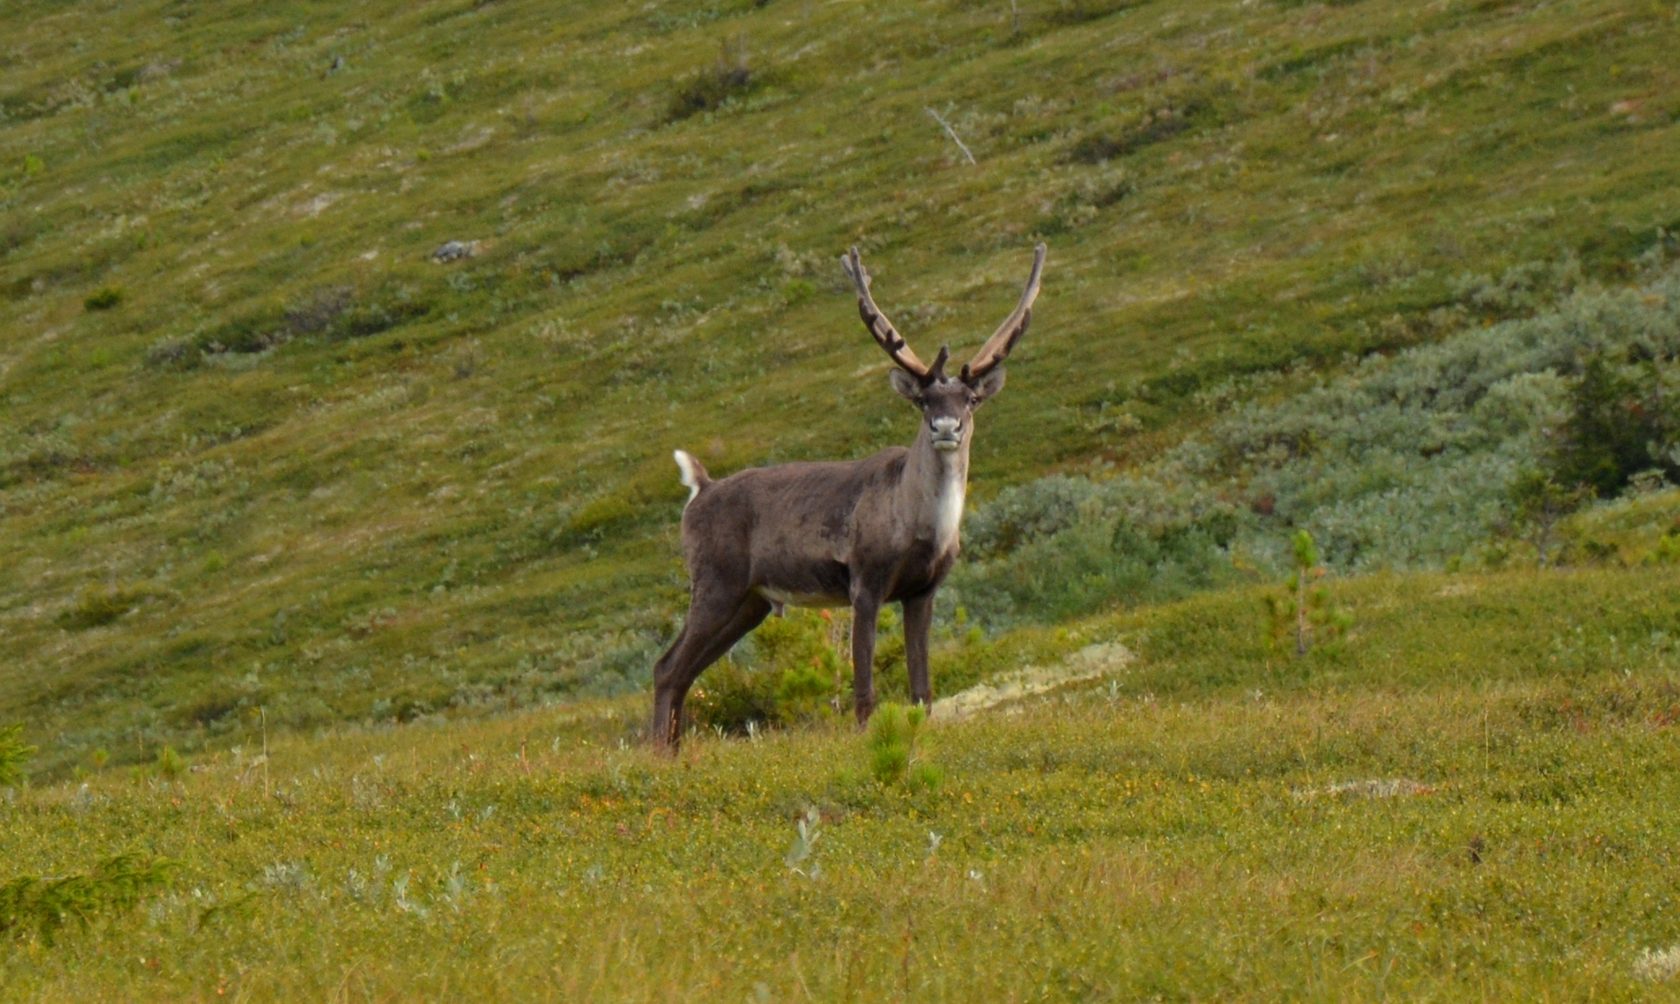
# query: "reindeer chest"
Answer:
x=932 y=543
x=921 y=569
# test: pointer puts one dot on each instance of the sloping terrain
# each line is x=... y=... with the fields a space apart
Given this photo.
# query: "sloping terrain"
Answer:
x=259 y=450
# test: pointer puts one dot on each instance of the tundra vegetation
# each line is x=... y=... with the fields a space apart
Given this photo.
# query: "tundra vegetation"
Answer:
x=331 y=574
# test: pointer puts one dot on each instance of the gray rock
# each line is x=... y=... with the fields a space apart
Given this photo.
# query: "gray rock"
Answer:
x=454 y=251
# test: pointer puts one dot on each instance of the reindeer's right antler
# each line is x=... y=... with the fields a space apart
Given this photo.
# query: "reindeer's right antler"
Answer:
x=879 y=327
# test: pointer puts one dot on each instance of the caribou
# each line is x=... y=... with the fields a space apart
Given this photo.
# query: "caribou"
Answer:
x=858 y=533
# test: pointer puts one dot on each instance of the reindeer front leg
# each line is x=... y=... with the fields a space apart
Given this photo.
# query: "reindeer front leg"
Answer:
x=865 y=608
x=918 y=621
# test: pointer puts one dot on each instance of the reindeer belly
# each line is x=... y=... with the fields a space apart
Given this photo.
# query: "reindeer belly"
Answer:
x=783 y=598
x=803 y=584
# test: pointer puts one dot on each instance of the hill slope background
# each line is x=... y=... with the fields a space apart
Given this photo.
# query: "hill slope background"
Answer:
x=260 y=451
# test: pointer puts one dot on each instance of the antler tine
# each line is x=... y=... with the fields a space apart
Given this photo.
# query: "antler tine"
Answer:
x=937 y=370
x=879 y=327
x=997 y=347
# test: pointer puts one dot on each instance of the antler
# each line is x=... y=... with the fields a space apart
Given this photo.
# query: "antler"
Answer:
x=997 y=347
x=882 y=329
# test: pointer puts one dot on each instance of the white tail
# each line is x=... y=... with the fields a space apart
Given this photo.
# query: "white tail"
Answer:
x=693 y=475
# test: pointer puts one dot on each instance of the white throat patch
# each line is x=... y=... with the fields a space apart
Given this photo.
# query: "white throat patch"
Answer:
x=948 y=509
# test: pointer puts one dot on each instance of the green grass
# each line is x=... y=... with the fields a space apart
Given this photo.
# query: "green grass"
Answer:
x=353 y=485
x=330 y=576
x=1455 y=800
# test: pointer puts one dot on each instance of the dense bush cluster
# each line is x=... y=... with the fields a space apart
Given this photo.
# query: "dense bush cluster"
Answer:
x=1624 y=421
x=1404 y=461
x=790 y=671
x=1062 y=546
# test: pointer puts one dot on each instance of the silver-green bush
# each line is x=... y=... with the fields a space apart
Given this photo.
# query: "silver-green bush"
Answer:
x=1401 y=461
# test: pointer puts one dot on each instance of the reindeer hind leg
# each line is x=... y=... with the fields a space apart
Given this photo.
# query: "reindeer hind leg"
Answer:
x=660 y=726
x=714 y=625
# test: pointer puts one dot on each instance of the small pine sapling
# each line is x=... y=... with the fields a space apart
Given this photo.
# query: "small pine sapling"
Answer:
x=1667 y=551
x=170 y=764
x=893 y=754
x=1304 y=610
x=14 y=754
x=44 y=905
x=1541 y=502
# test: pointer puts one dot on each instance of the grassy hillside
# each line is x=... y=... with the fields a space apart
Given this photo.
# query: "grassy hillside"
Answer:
x=259 y=451
x=1455 y=800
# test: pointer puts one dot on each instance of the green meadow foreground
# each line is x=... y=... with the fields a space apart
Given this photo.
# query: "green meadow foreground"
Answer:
x=1462 y=798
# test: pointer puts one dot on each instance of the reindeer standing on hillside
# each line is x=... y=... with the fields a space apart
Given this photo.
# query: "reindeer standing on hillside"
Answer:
x=842 y=533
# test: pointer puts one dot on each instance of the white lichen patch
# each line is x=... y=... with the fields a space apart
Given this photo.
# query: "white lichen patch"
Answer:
x=471 y=139
x=313 y=207
x=1658 y=964
x=1380 y=787
x=1089 y=663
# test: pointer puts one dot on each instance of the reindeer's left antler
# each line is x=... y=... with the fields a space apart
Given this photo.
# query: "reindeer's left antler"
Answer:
x=997 y=347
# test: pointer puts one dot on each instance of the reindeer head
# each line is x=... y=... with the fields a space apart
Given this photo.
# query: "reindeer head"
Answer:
x=947 y=402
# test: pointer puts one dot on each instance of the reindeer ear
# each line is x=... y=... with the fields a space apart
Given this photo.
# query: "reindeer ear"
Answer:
x=906 y=384
x=989 y=384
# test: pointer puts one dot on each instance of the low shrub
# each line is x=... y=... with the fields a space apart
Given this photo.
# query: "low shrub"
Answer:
x=45 y=905
x=104 y=298
x=334 y=313
x=364 y=320
x=317 y=311
x=14 y=754
x=1063 y=547
x=1035 y=510
x=96 y=607
x=174 y=354
x=729 y=78
x=1153 y=126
